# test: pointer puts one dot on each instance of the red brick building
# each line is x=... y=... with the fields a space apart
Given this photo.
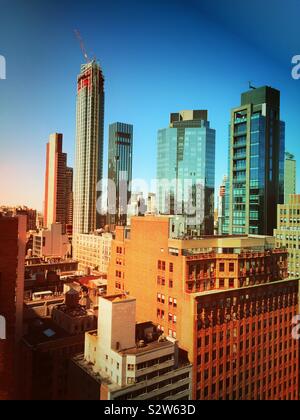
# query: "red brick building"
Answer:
x=226 y=299
x=12 y=260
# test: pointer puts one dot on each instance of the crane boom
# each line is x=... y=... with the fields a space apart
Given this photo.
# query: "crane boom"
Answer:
x=82 y=46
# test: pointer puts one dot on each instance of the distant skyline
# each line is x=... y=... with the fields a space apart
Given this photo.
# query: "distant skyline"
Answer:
x=157 y=57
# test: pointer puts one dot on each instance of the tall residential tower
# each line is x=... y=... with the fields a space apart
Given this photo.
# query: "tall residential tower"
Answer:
x=89 y=148
x=55 y=210
x=256 y=164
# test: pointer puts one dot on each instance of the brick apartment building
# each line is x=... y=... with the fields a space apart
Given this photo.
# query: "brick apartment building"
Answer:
x=227 y=300
x=12 y=260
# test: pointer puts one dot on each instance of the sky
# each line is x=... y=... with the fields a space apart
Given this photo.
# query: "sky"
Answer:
x=158 y=57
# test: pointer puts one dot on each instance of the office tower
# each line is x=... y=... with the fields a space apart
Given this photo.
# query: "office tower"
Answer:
x=287 y=232
x=12 y=261
x=227 y=300
x=48 y=346
x=221 y=205
x=256 y=164
x=55 y=182
x=290 y=176
x=186 y=170
x=89 y=148
x=69 y=199
x=128 y=361
x=119 y=172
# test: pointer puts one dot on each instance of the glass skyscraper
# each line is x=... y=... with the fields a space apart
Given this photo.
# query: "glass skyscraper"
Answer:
x=256 y=164
x=186 y=170
x=120 y=170
x=89 y=148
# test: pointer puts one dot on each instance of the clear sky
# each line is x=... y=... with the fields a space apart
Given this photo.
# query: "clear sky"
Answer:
x=158 y=56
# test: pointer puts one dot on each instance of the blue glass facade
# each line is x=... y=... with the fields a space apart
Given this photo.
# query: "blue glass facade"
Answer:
x=186 y=172
x=256 y=164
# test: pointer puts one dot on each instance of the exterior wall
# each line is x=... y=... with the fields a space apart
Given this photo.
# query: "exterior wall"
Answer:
x=51 y=243
x=12 y=257
x=290 y=177
x=245 y=349
x=55 y=183
x=175 y=282
x=186 y=161
x=287 y=232
x=89 y=147
x=93 y=251
x=120 y=152
x=256 y=164
x=52 y=360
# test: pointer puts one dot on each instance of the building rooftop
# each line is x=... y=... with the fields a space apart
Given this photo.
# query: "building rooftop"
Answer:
x=42 y=331
x=118 y=298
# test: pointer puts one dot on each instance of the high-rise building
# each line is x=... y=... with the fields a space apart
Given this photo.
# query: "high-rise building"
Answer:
x=287 y=232
x=89 y=148
x=221 y=205
x=55 y=182
x=186 y=170
x=119 y=171
x=69 y=198
x=227 y=300
x=128 y=361
x=12 y=262
x=290 y=176
x=256 y=164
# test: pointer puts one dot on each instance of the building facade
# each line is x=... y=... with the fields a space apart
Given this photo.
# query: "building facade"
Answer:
x=220 y=297
x=89 y=148
x=186 y=170
x=221 y=205
x=55 y=207
x=256 y=164
x=287 y=233
x=51 y=242
x=120 y=152
x=93 y=252
x=290 y=176
x=69 y=198
x=12 y=261
x=49 y=345
x=132 y=361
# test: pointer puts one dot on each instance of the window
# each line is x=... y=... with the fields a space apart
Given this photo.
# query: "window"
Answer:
x=130 y=368
x=171 y=284
x=171 y=268
x=222 y=267
x=231 y=267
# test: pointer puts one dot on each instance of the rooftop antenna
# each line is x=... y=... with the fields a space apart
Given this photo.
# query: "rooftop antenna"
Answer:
x=82 y=46
x=251 y=86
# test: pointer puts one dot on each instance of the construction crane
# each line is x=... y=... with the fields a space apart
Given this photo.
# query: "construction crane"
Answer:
x=251 y=86
x=82 y=46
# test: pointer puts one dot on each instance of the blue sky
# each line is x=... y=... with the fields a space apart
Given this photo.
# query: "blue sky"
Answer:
x=157 y=56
